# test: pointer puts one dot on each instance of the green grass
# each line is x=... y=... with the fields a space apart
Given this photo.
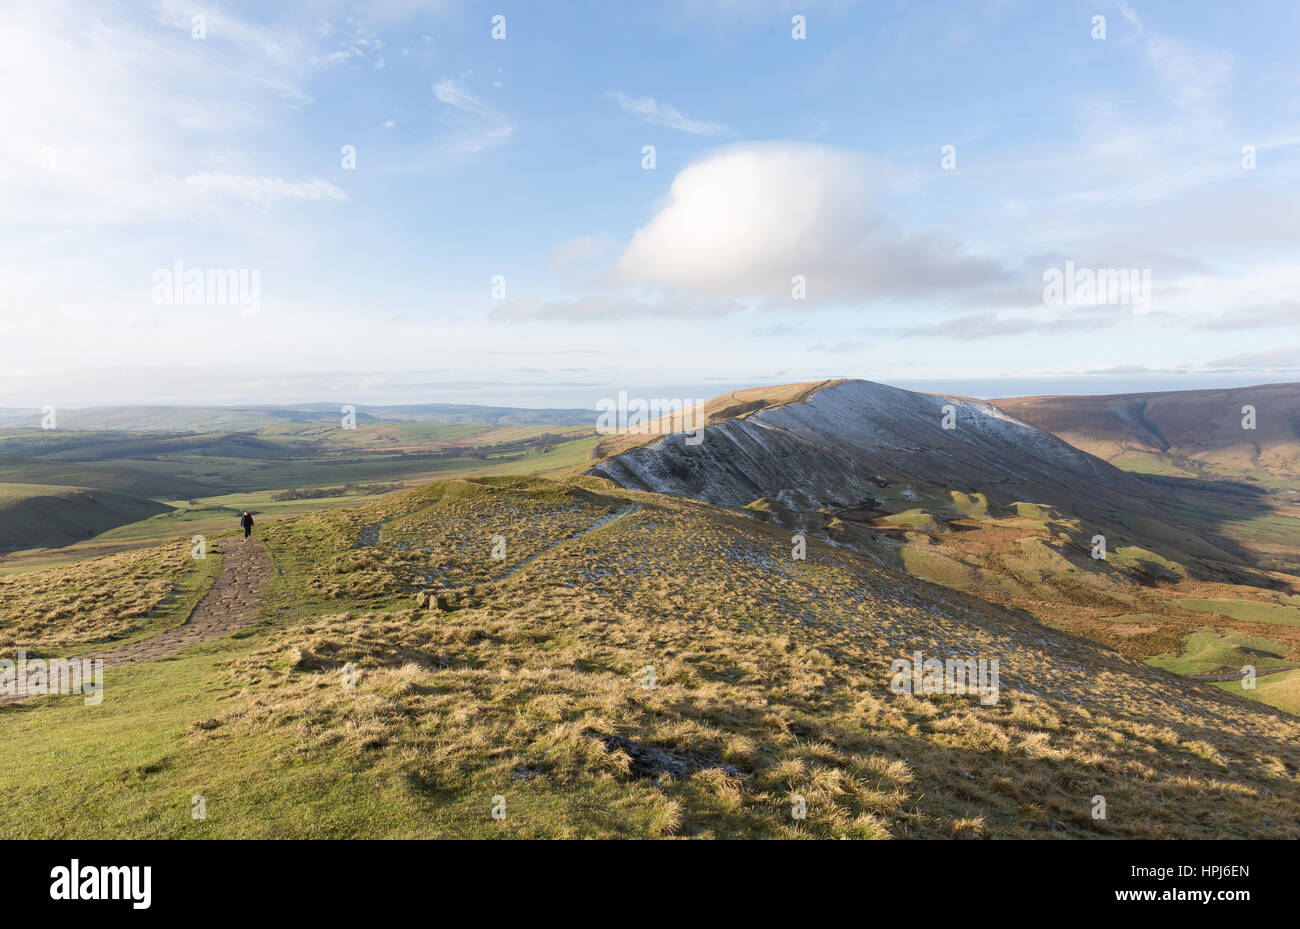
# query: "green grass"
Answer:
x=49 y=515
x=1280 y=690
x=170 y=467
x=1148 y=463
x=132 y=765
x=974 y=506
x=1207 y=652
x=1246 y=610
x=1133 y=557
x=911 y=519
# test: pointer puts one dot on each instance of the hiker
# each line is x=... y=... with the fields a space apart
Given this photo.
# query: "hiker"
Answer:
x=247 y=522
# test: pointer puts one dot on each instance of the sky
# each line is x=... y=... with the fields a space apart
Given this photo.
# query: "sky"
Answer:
x=451 y=201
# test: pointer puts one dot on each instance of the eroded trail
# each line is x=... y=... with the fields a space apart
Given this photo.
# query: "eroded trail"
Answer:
x=232 y=603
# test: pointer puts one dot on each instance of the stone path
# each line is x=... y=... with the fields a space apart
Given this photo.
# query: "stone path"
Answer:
x=232 y=603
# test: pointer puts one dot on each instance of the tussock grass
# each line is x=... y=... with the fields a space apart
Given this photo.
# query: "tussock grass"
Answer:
x=115 y=597
x=771 y=692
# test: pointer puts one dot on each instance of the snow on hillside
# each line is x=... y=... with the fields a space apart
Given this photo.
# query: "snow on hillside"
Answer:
x=846 y=439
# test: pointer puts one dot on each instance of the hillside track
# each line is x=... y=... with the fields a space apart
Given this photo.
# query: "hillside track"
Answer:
x=233 y=603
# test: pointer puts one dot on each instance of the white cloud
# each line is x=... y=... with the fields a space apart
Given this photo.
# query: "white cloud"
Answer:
x=745 y=220
x=1193 y=77
x=265 y=190
x=583 y=248
x=477 y=125
x=129 y=105
x=602 y=308
x=1282 y=358
x=662 y=114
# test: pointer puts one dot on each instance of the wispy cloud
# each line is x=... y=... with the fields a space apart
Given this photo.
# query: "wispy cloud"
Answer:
x=1279 y=358
x=476 y=125
x=1131 y=15
x=264 y=190
x=1191 y=75
x=652 y=111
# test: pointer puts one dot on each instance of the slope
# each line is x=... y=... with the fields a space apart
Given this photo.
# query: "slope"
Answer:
x=40 y=515
x=670 y=672
x=849 y=446
x=1186 y=432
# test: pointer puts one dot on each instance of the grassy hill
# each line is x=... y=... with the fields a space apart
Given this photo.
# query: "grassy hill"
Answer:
x=200 y=483
x=999 y=509
x=1184 y=433
x=129 y=595
x=632 y=665
x=33 y=515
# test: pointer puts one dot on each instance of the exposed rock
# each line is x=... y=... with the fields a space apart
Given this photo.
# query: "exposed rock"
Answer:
x=649 y=761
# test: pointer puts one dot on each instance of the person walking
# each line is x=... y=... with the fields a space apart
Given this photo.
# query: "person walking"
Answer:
x=247 y=522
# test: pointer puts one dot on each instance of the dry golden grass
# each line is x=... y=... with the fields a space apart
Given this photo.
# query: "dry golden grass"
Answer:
x=770 y=684
x=89 y=601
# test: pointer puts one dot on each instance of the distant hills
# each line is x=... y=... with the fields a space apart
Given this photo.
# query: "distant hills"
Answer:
x=228 y=419
x=1185 y=432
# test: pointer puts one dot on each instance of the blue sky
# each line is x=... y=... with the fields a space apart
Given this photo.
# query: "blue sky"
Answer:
x=130 y=144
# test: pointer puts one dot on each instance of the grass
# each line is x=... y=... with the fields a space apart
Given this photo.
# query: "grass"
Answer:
x=1037 y=558
x=47 y=514
x=119 y=597
x=1280 y=690
x=195 y=466
x=770 y=682
x=1149 y=463
x=1206 y=652
x=215 y=514
x=1246 y=610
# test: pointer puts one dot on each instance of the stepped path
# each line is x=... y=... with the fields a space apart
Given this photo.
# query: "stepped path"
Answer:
x=231 y=604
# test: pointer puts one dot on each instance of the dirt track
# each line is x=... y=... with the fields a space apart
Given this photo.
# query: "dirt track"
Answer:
x=232 y=603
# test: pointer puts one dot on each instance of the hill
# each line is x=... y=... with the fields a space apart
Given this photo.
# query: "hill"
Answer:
x=41 y=515
x=996 y=507
x=855 y=448
x=631 y=664
x=228 y=419
x=1190 y=433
